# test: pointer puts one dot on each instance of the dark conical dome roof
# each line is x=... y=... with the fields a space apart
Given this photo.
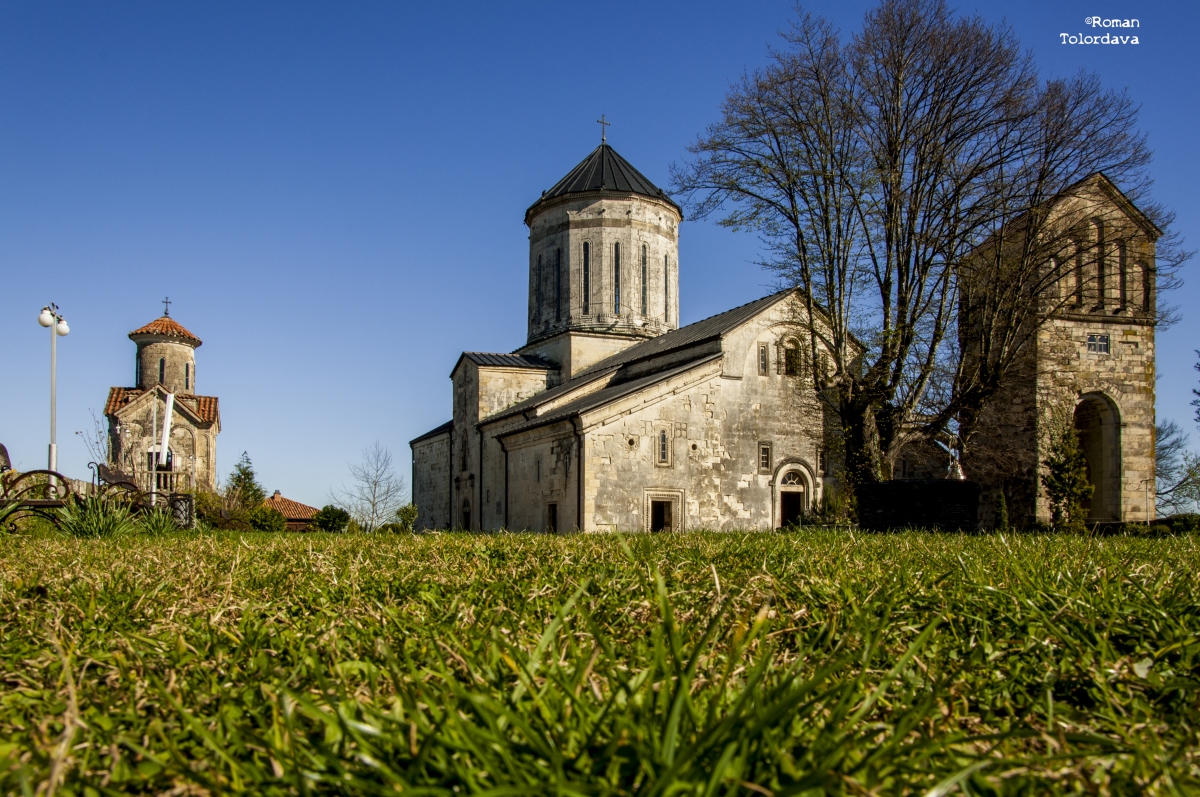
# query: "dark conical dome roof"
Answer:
x=604 y=170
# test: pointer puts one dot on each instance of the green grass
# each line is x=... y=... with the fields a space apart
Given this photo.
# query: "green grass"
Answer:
x=756 y=664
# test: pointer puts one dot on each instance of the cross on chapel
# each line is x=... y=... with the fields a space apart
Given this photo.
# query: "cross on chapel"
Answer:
x=167 y=306
x=603 y=129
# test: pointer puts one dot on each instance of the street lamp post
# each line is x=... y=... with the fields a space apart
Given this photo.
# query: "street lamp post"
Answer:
x=50 y=317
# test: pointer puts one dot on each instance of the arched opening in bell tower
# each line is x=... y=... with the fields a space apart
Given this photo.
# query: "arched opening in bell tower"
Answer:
x=1098 y=425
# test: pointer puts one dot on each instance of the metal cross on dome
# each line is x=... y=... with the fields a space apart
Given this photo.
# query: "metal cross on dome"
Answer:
x=167 y=307
x=603 y=129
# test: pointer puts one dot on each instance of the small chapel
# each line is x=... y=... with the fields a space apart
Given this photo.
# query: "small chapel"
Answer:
x=612 y=416
x=164 y=397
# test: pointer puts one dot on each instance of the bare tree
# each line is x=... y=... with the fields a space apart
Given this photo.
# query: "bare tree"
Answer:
x=96 y=440
x=377 y=490
x=903 y=182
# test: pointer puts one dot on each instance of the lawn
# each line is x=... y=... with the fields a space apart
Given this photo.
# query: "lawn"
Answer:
x=702 y=663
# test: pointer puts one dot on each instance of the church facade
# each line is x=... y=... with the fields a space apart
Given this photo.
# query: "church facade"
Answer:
x=164 y=368
x=612 y=417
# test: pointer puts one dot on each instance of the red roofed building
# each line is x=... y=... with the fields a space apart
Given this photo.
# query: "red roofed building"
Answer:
x=165 y=366
x=297 y=515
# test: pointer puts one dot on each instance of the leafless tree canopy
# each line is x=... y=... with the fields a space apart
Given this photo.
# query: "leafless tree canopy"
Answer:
x=376 y=491
x=900 y=180
x=95 y=439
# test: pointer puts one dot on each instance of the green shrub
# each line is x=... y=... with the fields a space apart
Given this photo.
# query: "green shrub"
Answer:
x=158 y=521
x=95 y=516
x=1066 y=481
x=1002 y=514
x=331 y=518
x=1183 y=523
x=406 y=516
x=265 y=518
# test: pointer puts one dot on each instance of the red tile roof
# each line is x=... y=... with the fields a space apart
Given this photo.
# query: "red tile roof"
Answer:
x=292 y=510
x=166 y=326
x=206 y=408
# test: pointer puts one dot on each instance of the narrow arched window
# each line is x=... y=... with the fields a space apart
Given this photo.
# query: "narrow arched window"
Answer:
x=617 y=278
x=187 y=376
x=137 y=372
x=538 y=292
x=162 y=370
x=557 y=284
x=1122 y=276
x=791 y=358
x=663 y=450
x=666 y=289
x=587 y=278
x=645 y=273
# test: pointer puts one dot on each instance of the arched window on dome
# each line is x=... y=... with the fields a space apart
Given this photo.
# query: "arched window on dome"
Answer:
x=666 y=289
x=645 y=280
x=537 y=313
x=557 y=284
x=187 y=376
x=162 y=370
x=587 y=277
x=617 y=279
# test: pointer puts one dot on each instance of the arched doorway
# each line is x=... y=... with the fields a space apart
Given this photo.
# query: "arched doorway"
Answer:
x=793 y=495
x=1098 y=425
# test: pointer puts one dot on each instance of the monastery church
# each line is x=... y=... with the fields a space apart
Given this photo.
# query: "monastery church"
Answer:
x=613 y=417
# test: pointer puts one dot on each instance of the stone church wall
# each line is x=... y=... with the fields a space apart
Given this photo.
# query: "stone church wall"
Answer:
x=431 y=482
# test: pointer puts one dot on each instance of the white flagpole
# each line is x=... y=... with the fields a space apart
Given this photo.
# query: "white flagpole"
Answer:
x=166 y=432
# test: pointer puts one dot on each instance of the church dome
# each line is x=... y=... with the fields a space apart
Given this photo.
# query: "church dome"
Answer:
x=166 y=327
x=603 y=170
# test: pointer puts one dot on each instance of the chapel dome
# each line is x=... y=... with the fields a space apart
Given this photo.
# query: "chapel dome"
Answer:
x=166 y=327
x=603 y=170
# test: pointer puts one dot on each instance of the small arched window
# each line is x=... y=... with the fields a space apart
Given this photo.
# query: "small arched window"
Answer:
x=663 y=450
x=791 y=358
x=187 y=376
x=162 y=370
x=462 y=457
x=538 y=293
x=617 y=278
x=792 y=479
x=587 y=277
x=645 y=280
x=557 y=283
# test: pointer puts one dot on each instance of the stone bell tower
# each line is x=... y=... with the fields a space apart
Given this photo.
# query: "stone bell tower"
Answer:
x=603 y=263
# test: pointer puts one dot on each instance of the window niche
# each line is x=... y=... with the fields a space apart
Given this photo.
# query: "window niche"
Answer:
x=587 y=278
x=764 y=362
x=617 y=279
x=662 y=448
x=645 y=283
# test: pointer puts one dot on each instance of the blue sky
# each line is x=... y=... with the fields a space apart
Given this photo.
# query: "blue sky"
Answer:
x=332 y=194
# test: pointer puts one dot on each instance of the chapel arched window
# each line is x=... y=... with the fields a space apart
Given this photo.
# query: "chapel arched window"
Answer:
x=792 y=479
x=791 y=358
x=162 y=370
x=187 y=376
x=538 y=292
x=663 y=449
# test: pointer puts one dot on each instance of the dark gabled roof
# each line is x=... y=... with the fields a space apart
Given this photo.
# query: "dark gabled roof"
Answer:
x=494 y=360
x=604 y=170
x=710 y=328
x=443 y=429
x=682 y=338
x=608 y=395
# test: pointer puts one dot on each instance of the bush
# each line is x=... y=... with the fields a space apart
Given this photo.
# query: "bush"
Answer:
x=265 y=518
x=406 y=516
x=1183 y=523
x=158 y=521
x=96 y=517
x=1066 y=481
x=331 y=518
